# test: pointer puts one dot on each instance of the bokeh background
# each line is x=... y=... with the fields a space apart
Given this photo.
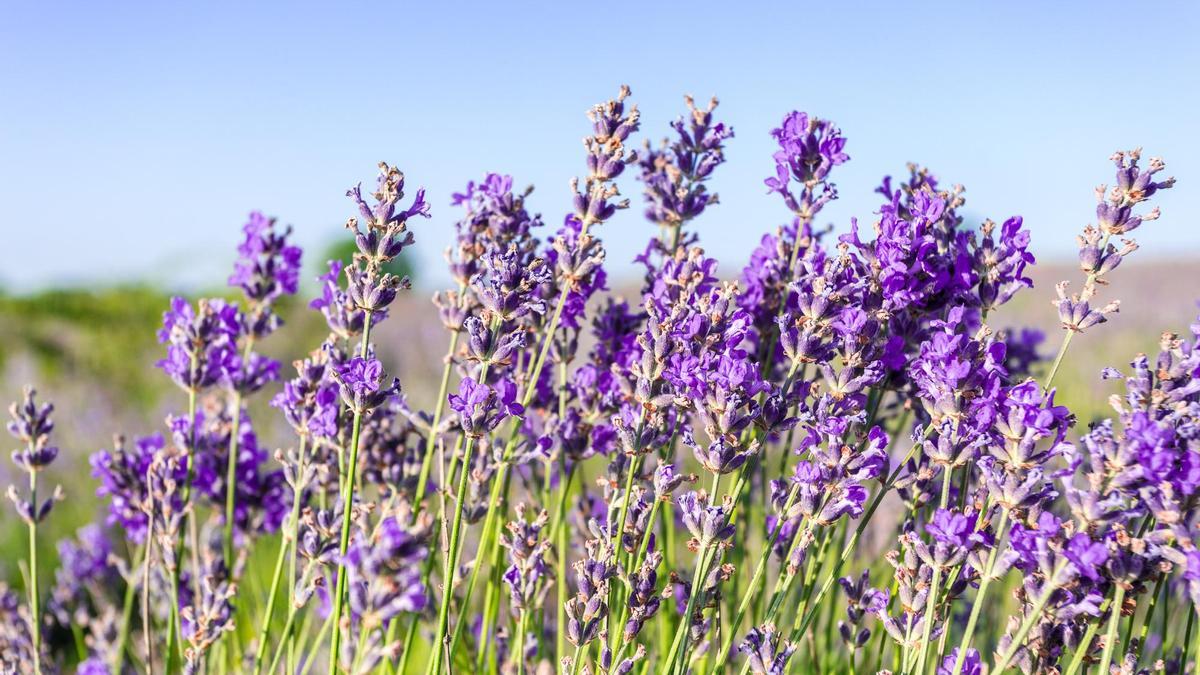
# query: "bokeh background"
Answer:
x=135 y=137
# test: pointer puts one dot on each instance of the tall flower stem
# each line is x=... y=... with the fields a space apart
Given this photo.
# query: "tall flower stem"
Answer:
x=1149 y=618
x=560 y=567
x=934 y=584
x=147 y=624
x=427 y=465
x=751 y=590
x=35 y=608
x=495 y=514
x=347 y=513
x=977 y=608
x=489 y=545
x=677 y=655
x=1114 y=620
x=1086 y=642
x=286 y=542
x=802 y=624
x=439 y=407
x=131 y=585
x=451 y=559
x=1026 y=625
x=231 y=461
x=190 y=522
x=1187 y=633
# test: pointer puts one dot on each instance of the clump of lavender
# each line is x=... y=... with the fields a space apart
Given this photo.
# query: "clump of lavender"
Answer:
x=847 y=393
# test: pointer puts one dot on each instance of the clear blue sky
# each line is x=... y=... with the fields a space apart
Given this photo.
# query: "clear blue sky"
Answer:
x=134 y=137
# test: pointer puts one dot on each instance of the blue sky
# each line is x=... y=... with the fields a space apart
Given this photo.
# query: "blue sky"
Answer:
x=134 y=137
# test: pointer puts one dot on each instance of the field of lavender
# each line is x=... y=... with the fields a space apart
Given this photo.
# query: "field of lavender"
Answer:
x=889 y=447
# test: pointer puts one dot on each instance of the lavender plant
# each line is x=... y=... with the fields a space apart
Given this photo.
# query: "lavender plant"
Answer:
x=673 y=483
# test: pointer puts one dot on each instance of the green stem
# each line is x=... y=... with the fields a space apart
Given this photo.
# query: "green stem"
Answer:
x=347 y=515
x=287 y=630
x=126 y=616
x=187 y=496
x=34 y=600
x=1058 y=358
x=848 y=549
x=284 y=545
x=431 y=441
x=1026 y=625
x=1085 y=643
x=1114 y=619
x=147 y=625
x=1149 y=618
x=753 y=589
x=452 y=559
x=682 y=643
x=489 y=549
x=934 y=584
x=1088 y=284
x=560 y=570
x=685 y=622
x=1187 y=634
x=977 y=608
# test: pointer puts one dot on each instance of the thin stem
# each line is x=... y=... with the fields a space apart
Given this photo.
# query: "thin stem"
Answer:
x=452 y=559
x=231 y=461
x=848 y=549
x=187 y=515
x=261 y=652
x=1089 y=285
x=1187 y=634
x=347 y=513
x=1149 y=618
x=977 y=608
x=1110 y=638
x=231 y=476
x=294 y=524
x=126 y=616
x=1085 y=643
x=1058 y=358
x=752 y=590
x=147 y=626
x=287 y=630
x=560 y=568
x=489 y=546
x=34 y=599
x=934 y=584
x=1026 y=625
x=439 y=406
x=682 y=643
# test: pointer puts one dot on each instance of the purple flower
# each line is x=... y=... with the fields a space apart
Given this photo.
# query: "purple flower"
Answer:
x=674 y=176
x=31 y=425
x=526 y=553
x=122 y=475
x=201 y=342
x=972 y=663
x=587 y=610
x=361 y=380
x=708 y=523
x=766 y=652
x=950 y=529
x=383 y=575
x=345 y=318
x=267 y=268
x=1087 y=556
x=481 y=408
